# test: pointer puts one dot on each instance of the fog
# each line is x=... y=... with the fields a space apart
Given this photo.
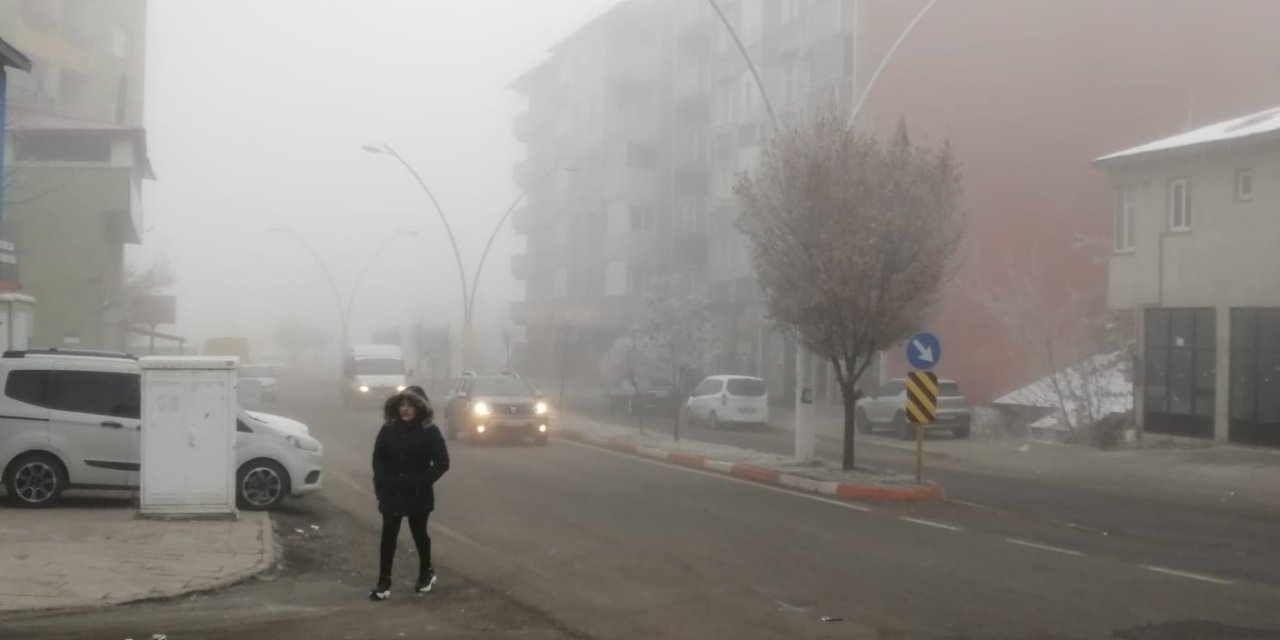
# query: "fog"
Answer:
x=256 y=116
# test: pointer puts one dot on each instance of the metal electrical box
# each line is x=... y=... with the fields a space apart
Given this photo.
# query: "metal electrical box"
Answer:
x=16 y=312
x=188 y=436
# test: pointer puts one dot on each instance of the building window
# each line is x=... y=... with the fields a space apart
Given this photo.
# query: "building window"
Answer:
x=639 y=280
x=1179 y=205
x=642 y=219
x=642 y=155
x=1244 y=185
x=119 y=42
x=1124 y=220
x=790 y=11
x=1179 y=371
x=615 y=278
x=61 y=146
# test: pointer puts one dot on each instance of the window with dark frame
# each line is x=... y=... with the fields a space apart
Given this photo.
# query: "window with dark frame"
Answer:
x=1180 y=363
x=1123 y=235
x=1179 y=205
x=1244 y=185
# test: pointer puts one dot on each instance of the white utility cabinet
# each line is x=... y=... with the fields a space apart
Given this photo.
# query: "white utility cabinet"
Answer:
x=16 y=311
x=188 y=435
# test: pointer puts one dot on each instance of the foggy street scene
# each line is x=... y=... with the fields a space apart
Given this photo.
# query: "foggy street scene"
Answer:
x=639 y=319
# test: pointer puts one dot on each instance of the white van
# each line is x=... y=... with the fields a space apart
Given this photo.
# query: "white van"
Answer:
x=721 y=400
x=371 y=373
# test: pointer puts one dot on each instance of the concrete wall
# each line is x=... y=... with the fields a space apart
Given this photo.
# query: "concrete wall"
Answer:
x=71 y=250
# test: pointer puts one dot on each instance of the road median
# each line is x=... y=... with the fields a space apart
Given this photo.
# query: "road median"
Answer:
x=817 y=477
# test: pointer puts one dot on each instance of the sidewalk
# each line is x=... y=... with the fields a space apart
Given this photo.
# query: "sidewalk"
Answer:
x=1213 y=470
x=86 y=556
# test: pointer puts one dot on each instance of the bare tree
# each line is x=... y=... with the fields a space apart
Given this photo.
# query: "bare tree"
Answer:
x=1080 y=356
x=149 y=280
x=630 y=359
x=852 y=239
x=680 y=336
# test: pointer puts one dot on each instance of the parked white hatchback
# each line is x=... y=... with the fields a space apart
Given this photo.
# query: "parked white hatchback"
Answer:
x=727 y=399
x=72 y=420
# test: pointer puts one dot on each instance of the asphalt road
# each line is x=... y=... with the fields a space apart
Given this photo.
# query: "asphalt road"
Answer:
x=611 y=546
x=1196 y=532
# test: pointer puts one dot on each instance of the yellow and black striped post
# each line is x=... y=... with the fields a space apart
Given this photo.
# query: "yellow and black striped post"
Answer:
x=922 y=409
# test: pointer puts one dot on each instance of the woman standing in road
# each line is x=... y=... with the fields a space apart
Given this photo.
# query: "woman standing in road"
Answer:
x=409 y=456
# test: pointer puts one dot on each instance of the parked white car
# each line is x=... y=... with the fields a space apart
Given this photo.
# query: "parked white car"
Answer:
x=264 y=375
x=72 y=420
x=726 y=399
x=886 y=408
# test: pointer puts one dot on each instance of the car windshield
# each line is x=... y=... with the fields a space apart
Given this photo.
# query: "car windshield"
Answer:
x=256 y=371
x=500 y=387
x=379 y=367
x=749 y=387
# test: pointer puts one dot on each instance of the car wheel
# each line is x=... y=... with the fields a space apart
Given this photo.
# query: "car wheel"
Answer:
x=35 y=480
x=961 y=433
x=714 y=422
x=261 y=485
x=862 y=421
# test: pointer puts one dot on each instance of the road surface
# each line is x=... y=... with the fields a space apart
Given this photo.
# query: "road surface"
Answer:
x=587 y=543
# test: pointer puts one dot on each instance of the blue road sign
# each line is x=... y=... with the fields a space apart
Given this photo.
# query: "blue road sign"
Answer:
x=924 y=350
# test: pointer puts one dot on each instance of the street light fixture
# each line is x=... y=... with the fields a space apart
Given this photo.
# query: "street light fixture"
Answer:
x=468 y=292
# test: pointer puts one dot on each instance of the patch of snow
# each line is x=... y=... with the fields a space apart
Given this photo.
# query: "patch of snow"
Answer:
x=1267 y=121
x=725 y=456
x=1102 y=377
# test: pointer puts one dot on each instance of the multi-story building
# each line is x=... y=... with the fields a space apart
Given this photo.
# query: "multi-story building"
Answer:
x=596 y=129
x=1193 y=258
x=1026 y=92
x=78 y=156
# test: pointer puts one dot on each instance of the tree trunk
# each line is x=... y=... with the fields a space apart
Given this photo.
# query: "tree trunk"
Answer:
x=850 y=412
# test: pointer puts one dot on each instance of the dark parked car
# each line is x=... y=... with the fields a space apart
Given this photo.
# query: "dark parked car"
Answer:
x=655 y=396
x=496 y=406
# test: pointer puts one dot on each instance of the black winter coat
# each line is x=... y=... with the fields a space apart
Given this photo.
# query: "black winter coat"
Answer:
x=408 y=459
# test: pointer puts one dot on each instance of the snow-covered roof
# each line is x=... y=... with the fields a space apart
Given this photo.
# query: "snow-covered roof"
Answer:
x=1255 y=124
x=1102 y=378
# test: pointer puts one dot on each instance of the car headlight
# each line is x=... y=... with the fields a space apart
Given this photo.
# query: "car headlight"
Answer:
x=541 y=408
x=482 y=409
x=306 y=444
x=401 y=388
x=364 y=388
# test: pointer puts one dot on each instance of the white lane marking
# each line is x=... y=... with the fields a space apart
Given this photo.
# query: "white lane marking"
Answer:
x=975 y=505
x=448 y=533
x=1187 y=574
x=1080 y=527
x=931 y=523
x=711 y=474
x=1043 y=547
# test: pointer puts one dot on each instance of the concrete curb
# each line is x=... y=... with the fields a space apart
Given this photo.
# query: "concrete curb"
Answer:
x=759 y=474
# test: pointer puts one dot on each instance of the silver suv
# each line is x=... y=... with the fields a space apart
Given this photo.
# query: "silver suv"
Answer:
x=886 y=408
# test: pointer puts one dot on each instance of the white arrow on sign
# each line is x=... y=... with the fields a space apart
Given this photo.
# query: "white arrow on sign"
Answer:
x=926 y=353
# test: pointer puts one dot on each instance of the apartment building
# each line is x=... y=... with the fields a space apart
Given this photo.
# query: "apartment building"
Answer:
x=78 y=156
x=598 y=179
x=1196 y=221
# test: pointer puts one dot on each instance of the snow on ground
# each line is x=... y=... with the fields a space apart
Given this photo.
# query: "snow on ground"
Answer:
x=659 y=436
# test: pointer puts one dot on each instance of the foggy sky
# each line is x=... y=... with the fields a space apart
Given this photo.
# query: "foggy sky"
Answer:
x=256 y=113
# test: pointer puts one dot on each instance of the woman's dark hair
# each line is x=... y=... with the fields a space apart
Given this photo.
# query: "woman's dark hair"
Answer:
x=391 y=409
x=420 y=391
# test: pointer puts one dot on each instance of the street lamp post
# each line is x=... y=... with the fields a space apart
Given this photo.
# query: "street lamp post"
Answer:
x=468 y=292
x=333 y=284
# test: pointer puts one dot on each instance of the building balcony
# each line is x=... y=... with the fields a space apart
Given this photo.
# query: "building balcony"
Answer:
x=520 y=267
x=519 y=313
x=690 y=250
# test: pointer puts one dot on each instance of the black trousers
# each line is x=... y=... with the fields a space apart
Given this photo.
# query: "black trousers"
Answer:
x=391 y=531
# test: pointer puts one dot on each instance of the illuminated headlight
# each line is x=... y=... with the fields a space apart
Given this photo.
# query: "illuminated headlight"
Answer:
x=542 y=428
x=482 y=409
x=306 y=444
x=364 y=388
x=480 y=429
x=401 y=388
x=541 y=408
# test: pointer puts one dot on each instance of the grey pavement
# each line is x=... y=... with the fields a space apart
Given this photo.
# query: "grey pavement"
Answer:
x=95 y=552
